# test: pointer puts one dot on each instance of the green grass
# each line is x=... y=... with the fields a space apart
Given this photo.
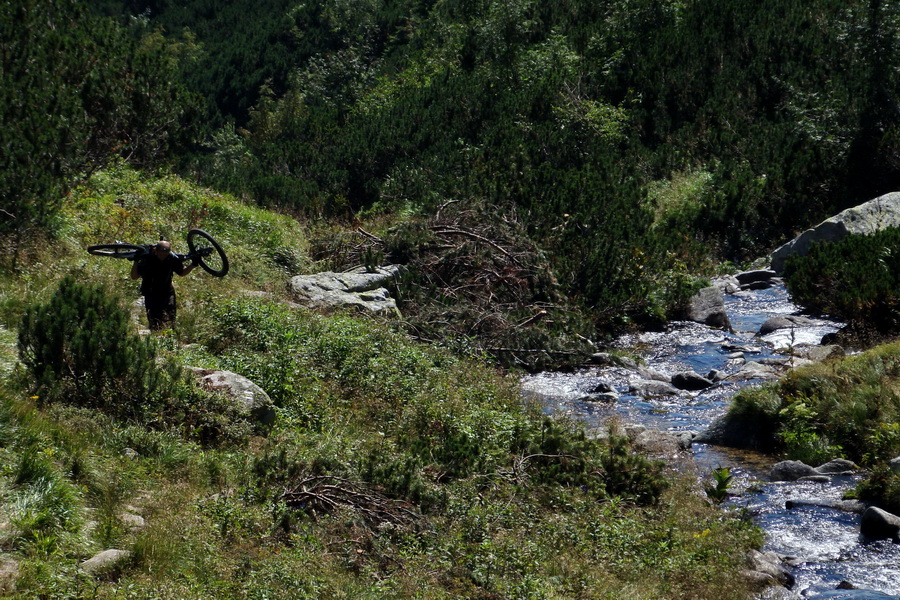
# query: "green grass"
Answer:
x=434 y=443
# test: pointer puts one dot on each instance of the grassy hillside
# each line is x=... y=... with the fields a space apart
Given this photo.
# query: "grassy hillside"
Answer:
x=395 y=469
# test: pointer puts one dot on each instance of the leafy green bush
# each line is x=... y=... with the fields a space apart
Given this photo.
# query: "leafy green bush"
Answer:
x=79 y=347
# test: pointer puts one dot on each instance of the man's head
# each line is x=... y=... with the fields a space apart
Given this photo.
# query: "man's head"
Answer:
x=162 y=249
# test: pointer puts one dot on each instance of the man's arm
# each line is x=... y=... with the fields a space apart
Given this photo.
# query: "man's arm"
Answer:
x=186 y=268
x=135 y=272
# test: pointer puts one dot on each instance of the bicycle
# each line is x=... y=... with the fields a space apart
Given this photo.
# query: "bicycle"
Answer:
x=211 y=257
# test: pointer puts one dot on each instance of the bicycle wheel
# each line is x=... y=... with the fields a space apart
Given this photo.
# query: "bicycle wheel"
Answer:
x=119 y=250
x=216 y=262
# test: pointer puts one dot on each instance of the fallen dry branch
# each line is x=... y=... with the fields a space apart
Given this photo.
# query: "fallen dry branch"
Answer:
x=326 y=494
x=441 y=230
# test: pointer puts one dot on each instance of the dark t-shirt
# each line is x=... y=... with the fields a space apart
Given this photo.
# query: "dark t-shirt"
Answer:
x=156 y=275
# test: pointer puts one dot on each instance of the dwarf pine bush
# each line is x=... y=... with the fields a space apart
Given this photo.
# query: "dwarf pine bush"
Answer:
x=855 y=279
x=79 y=347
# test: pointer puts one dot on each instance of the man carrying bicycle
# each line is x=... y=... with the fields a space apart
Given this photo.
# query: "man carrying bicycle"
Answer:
x=156 y=270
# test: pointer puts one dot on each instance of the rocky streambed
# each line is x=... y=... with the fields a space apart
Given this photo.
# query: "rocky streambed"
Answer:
x=684 y=380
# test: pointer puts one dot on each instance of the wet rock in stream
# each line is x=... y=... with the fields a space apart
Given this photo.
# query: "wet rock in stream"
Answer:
x=794 y=470
x=784 y=322
x=878 y=524
x=651 y=388
x=849 y=506
x=737 y=433
x=769 y=569
x=690 y=381
x=708 y=307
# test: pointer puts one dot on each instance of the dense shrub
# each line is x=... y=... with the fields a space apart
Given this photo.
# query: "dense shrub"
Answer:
x=76 y=112
x=838 y=408
x=79 y=347
x=855 y=279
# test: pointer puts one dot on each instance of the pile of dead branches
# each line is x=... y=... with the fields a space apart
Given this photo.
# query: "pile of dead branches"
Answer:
x=477 y=281
x=318 y=495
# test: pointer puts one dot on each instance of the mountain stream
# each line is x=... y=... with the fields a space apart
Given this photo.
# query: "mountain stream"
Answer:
x=825 y=542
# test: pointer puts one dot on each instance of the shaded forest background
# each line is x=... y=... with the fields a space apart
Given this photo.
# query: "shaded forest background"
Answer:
x=609 y=150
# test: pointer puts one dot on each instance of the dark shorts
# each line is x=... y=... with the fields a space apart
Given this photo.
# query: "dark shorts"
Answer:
x=160 y=310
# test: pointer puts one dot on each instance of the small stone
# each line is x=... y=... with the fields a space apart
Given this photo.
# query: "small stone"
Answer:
x=602 y=388
x=604 y=398
x=816 y=478
x=9 y=573
x=691 y=381
x=716 y=375
x=651 y=388
x=133 y=521
x=105 y=561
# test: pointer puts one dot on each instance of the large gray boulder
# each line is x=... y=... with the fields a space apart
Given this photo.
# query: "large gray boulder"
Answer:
x=249 y=399
x=874 y=215
x=879 y=524
x=360 y=288
x=708 y=307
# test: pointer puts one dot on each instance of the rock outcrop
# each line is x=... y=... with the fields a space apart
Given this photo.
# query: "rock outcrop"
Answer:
x=360 y=288
x=874 y=215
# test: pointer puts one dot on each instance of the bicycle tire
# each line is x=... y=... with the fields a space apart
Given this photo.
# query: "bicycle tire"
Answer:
x=197 y=236
x=119 y=250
